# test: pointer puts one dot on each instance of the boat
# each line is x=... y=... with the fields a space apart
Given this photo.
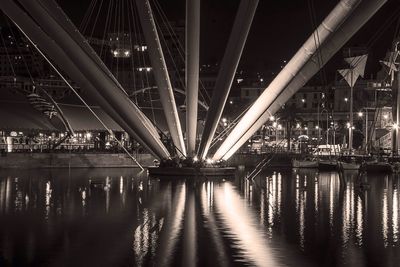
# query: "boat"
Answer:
x=350 y=162
x=192 y=171
x=307 y=163
x=327 y=164
x=377 y=166
x=343 y=165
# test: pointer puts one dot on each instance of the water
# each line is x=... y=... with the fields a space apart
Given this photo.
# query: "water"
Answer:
x=119 y=217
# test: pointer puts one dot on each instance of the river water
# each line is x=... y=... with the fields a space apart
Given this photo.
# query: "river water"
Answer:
x=120 y=217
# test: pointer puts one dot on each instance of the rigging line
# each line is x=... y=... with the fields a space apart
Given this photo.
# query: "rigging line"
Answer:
x=170 y=32
x=137 y=33
x=18 y=48
x=115 y=31
x=180 y=49
x=81 y=99
x=170 y=29
x=324 y=79
x=133 y=51
x=7 y=54
x=316 y=38
x=84 y=21
x=175 y=40
x=202 y=91
x=126 y=38
x=393 y=60
x=96 y=19
x=141 y=54
x=89 y=17
x=133 y=87
x=378 y=34
x=107 y=24
x=162 y=38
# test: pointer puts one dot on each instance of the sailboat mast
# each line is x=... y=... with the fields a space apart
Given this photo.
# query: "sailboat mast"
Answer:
x=351 y=113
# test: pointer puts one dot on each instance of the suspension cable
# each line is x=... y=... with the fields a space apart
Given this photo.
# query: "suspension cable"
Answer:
x=82 y=100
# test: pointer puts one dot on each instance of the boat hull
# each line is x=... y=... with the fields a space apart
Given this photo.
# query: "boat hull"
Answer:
x=327 y=165
x=304 y=164
x=349 y=166
x=381 y=167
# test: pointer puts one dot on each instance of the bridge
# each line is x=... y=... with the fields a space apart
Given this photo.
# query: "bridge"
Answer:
x=53 y=34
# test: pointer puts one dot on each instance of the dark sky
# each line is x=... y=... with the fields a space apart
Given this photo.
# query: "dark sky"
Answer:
x=280 y=27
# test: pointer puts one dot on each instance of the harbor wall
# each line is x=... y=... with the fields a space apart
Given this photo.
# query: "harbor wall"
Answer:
x=117 y=160
x=72 y=160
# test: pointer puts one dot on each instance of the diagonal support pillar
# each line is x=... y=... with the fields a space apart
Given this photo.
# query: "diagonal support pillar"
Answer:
x=61 y=18
x=161 y=74
x=365 y=10
x=192 y=72
x=330 y=24
x=113 y=100
x=230 y=62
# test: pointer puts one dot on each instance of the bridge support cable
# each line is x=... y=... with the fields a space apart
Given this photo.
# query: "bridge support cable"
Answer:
x=58 y=14
x=229 y=64
x=68 y=126
x=62 y=19
x=102 y=83
x=365 y=10
x=192 y=72
x=161 y=74
x=330 y=24
x=26 y=25
x=38 y=37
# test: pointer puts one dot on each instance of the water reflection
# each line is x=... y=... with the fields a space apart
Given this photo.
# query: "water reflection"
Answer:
x=122 y=218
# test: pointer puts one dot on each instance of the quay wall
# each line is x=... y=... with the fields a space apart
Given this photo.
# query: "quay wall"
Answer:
x=72 y=160
x=117 y=160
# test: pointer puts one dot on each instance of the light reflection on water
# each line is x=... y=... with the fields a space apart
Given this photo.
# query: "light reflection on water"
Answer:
x=120 y=217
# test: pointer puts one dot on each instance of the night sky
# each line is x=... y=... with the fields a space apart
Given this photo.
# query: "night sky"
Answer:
x=280 y=27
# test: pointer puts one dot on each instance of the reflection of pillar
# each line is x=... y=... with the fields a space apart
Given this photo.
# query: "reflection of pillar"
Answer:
x=397 y=119
x=189 y=236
